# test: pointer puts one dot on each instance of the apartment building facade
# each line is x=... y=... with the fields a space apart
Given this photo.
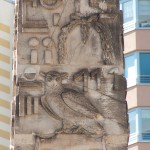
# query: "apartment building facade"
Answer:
x=136 y=17
x=6 y=56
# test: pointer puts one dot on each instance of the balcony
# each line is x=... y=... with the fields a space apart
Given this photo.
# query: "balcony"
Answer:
x=139 y=120
x=136 y=14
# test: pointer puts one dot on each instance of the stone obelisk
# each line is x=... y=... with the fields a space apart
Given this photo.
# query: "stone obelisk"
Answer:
x=71 y=90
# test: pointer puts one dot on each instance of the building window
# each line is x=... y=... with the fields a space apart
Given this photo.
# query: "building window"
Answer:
x=133 y=126
x=139 y=125
x=129 y=17
x=136 y=14
x=132 y=122
x=137 y=68
x=145 y=121
x=144 y=13
x=144 y=67
x=131 y=69
x=127 y=11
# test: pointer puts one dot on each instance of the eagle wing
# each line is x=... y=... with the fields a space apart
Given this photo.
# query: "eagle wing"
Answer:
x=79 y=103
x=46 y=107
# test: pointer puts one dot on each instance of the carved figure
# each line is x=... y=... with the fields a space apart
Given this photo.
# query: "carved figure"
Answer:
x=75 y=111
x=68 y=111
x=50 y=52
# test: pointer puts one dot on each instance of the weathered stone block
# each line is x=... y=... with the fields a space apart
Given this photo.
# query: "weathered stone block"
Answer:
x=70 y=76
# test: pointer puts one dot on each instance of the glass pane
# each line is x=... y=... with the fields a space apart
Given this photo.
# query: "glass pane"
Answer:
x=130 y=70
x=128 y=11
x=132 y=122
x=144 y=67
x=146 y=124
x=144 y=13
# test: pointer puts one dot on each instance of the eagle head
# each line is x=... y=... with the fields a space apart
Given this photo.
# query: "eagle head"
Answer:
x=53 y=79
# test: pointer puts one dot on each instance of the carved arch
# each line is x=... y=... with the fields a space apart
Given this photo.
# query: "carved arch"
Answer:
x=101 y=28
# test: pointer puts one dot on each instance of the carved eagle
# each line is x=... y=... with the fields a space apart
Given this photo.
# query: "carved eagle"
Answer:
x=77 y=102
x=70 y=106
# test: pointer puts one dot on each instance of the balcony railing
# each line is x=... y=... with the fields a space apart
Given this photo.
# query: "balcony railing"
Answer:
x=146 y=136
x=144 y=78
x=133 y=138
x=139 y=137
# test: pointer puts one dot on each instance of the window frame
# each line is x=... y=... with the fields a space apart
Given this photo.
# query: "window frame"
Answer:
x=134 y=24
x=137 y=66
x=131 y=25
x=136 y=59
x=124 y=9
x=137 y=137
x=137 y=14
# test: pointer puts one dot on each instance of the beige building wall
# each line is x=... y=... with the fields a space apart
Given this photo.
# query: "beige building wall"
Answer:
x=140 y=146
x=6 y=48
x=132 y=97
x=137 y=40
x=129 y=42
x=138 y=96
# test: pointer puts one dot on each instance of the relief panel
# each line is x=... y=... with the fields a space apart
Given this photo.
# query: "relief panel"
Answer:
x=70 y=86
x=32 y=19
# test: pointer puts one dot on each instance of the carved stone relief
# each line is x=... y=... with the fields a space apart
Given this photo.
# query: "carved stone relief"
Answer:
x=104 y=5
x=75 y=111
x=102 y=52
x=51 y=4
x=71 y=89
x=33 y=20
x=50 y=53
x=56 y=18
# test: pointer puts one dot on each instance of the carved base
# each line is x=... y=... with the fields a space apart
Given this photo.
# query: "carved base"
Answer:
x=71 y=142
x=63 y=142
